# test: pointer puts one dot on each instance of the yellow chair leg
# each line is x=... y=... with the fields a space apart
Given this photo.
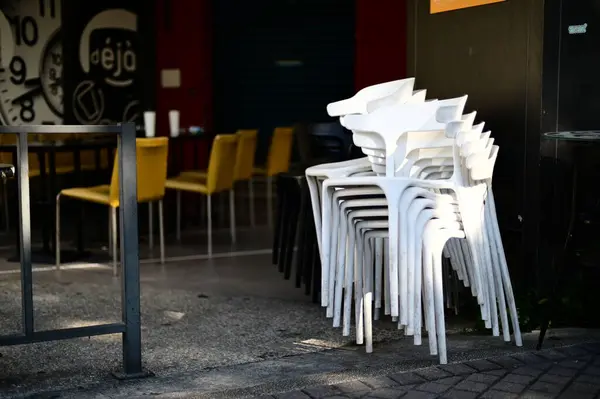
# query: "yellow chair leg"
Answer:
x=113 y=227
x=209 y=223
x=161 y=232
x=232 y=215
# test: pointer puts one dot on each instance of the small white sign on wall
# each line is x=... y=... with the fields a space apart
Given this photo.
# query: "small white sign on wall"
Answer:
x=170 y=78
x=578 y=29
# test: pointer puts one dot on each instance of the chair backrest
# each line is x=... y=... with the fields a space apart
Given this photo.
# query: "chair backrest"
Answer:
x=151 y=154
x=244 y=159
x=221 y=169
x=280 y=151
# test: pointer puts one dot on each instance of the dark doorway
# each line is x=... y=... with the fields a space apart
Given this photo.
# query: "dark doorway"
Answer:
x=278 y=62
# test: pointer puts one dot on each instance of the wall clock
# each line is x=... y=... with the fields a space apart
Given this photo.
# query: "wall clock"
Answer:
x=31 y=90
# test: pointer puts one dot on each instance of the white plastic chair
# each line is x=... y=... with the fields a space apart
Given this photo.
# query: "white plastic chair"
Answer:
x=359 y=103
x=385 y=188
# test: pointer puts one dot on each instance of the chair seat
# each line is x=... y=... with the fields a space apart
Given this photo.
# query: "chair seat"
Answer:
x=185 y=183
x=198 y=174
x=97 y=194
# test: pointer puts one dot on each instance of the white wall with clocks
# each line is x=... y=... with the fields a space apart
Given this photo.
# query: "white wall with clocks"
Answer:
x=76 y=62
x=31 y=83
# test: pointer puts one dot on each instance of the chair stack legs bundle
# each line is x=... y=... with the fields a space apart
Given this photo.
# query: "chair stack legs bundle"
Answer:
x=396 y=240
x=294 y=240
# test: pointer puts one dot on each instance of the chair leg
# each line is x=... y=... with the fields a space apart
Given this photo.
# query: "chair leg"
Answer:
x=150 y=226
x=232 y=215
x=251 y=202
x=277 y=242
x=269 y=201
x=6 y=210
x=178 y=216
x=294 y=210
x=113 y=229
x=161 y=231
x=57 y=231
x=110 y=241
x=221 y=212
x=209 y=223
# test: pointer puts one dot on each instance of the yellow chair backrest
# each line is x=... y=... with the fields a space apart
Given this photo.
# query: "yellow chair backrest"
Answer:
x=221 y=166
x=280 y=151
x=244 y=160
x=151 y=163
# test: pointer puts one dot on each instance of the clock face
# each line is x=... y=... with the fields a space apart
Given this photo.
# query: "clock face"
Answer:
x=31 y=86
x=51 y=73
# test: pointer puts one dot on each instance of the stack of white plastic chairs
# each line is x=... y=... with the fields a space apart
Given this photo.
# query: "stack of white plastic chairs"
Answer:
x=384 y=222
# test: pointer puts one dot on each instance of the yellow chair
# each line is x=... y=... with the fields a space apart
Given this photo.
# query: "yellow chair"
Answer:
x=219 y=178
x=151 y=176
x=244 y=164
x=278 y=161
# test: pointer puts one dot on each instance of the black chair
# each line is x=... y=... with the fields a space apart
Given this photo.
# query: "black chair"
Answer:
x=295 y=240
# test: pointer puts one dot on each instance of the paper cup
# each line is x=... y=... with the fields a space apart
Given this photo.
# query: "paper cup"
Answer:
x=150 y=123
x=174 y=122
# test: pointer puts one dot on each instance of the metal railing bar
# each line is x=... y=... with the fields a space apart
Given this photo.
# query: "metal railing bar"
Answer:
x=25 y=235
x=130 y=327
x=62 y=334
x=59 y=129
x=130 y=252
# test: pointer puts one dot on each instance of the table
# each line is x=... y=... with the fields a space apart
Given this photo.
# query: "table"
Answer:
x=186 y=137
x=46 y=254
x=563 y=149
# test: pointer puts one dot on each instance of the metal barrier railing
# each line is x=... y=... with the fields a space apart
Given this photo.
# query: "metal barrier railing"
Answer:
x=130 y=267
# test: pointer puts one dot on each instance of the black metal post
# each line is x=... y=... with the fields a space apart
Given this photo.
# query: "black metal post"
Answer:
x=25 y=234
x=130 y=264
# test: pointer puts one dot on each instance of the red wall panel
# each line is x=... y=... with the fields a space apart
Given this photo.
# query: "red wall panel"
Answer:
x=184 y=42
x=380 y=41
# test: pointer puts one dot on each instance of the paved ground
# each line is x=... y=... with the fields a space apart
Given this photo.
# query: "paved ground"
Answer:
x=232 y=327
x=571 y=372
x=396 y=368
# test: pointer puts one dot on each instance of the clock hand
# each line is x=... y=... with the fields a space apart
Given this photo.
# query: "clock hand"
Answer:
x=27 y=95
x=33 y=82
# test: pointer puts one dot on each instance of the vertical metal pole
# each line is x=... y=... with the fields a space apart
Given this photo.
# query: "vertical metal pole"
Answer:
x=130 y=265
x=25 y=235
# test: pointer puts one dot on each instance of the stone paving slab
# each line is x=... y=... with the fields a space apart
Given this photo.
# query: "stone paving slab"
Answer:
x=570 y=372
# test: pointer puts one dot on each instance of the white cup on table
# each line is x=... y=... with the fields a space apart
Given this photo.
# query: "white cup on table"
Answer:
x=150 y=123
x=174 y=122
